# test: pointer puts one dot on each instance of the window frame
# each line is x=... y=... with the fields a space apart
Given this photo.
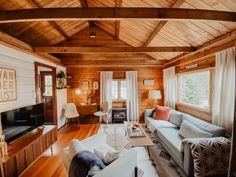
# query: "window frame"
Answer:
x=211 y=87
x=119 y=91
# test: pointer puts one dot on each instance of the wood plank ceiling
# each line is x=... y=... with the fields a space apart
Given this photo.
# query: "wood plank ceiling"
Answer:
x=135 y=33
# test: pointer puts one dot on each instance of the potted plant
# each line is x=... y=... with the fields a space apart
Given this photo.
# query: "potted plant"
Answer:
x=61 y=80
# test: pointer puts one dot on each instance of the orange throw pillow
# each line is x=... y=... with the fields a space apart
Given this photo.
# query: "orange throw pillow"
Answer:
x=162 y=113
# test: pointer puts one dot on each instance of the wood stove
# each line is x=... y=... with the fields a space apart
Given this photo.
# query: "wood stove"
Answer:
x=119 y=114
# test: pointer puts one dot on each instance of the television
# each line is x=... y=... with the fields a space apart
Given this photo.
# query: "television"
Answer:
x=17 y=122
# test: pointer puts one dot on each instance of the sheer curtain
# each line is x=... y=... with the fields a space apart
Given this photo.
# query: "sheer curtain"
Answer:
x=132 y=95
x=106 y=90
x=169 y=78
x=224 y=89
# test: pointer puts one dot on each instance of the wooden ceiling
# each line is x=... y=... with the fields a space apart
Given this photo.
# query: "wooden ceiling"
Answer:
x=134 y=33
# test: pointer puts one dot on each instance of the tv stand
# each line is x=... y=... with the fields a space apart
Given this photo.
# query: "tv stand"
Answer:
x=23 y=151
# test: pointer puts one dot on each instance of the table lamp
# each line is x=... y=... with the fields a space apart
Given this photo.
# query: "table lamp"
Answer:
x=154 y=95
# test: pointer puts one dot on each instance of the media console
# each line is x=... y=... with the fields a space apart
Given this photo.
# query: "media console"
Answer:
x=26 y=149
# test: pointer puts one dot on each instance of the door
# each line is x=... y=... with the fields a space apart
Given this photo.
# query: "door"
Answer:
x=46 y=82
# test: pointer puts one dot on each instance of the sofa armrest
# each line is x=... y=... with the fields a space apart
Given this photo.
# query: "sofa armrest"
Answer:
x=188 y=160
x=148 y=112
x=124 y=166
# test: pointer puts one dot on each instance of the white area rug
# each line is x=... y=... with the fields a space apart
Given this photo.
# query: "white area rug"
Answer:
x=116 y=138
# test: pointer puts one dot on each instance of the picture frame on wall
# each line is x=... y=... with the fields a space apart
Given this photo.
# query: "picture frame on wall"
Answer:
x=8 y=90
x=85 y=85
x=148 y=82
x=95 y=85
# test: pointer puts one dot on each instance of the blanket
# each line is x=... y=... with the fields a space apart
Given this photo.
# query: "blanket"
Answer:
x=210 y=155
x=84 y=164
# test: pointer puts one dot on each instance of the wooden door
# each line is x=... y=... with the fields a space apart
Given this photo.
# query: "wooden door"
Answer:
x=46 y=82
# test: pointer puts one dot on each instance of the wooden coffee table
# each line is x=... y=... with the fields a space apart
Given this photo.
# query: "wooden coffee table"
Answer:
x=143 y=141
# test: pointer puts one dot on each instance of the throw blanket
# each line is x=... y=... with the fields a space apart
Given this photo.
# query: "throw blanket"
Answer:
x=210 y=155
x=83 y=163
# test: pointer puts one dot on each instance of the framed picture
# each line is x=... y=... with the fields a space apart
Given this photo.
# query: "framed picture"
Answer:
x=95 y=85
x=85 y=85
x=7 y=85
x=149 y=82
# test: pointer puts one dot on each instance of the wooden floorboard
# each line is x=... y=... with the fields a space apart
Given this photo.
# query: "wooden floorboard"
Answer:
x=52 y=166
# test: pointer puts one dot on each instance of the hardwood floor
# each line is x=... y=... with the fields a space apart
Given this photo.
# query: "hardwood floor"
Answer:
x=52 y=166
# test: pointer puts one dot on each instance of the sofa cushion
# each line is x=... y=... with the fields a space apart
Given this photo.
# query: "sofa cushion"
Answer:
x=153 y=124
x=75 y=147
x=106 y=153
x=213 y=129
x=176 y=117
x=188 y=130
x=172 y=142
x=124 y=165
x=162 y=113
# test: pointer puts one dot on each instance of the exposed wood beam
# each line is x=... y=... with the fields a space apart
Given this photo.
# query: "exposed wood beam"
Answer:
x=111 y=49
x=54 y=14
x=177 y=4
x=113 y=65
x=154 y=33
x=84 y=4
x=206 y=50
x=53 y=24
x=151 y=57
x=118 y=3
x=117 y=30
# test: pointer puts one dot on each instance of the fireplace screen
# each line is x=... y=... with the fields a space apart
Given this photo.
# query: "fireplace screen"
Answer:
x=119 y=114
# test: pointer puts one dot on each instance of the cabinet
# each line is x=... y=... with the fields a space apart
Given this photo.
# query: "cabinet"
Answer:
x=23 y=151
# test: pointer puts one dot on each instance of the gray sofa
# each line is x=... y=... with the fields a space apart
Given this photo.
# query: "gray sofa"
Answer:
x=167 y=132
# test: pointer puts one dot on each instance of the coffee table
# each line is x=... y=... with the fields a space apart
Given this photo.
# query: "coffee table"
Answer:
x=143 y=141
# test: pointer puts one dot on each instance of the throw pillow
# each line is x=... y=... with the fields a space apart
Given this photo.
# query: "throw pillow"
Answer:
x=75 y=147
x=85 y=163
x=106 y=153
x=188 y=130
x=162 y=113
x=176 y=117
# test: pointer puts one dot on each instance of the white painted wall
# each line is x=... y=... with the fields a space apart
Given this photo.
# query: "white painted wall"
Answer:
x=25 y=75
x=61 y=101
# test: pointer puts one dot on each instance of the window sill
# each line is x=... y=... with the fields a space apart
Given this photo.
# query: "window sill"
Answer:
x=195 y=111
x=193 y=107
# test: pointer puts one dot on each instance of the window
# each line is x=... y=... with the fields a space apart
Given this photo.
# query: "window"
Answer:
x=48 y=86
x=194 y=89
x=118 y=90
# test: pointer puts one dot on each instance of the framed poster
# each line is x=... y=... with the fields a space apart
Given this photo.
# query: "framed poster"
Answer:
x=7 y=85
x=149 y=82
x=95 y=85
x=85 y=85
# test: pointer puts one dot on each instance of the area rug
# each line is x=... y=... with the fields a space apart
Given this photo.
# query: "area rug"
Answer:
x=116 y=138
x=164 y=165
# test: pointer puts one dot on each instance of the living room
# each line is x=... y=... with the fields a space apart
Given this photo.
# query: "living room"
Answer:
x=117 y=88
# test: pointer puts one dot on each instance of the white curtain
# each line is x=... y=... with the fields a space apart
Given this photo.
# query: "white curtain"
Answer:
x=106 y=90
x=224 y=89
x=132 y=95
x=169 y=78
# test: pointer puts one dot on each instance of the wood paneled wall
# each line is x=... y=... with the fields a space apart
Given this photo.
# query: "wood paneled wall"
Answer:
x=93 y=74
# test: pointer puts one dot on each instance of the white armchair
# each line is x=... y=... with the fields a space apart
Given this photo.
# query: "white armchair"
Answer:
x=71 y=112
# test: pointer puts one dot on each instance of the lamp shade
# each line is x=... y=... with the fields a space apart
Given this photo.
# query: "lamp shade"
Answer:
x=154 y=94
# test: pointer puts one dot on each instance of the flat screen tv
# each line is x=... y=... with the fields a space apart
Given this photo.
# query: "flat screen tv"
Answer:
x=19 y=121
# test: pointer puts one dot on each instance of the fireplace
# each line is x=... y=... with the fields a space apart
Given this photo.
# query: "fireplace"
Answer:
x=119 y=114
